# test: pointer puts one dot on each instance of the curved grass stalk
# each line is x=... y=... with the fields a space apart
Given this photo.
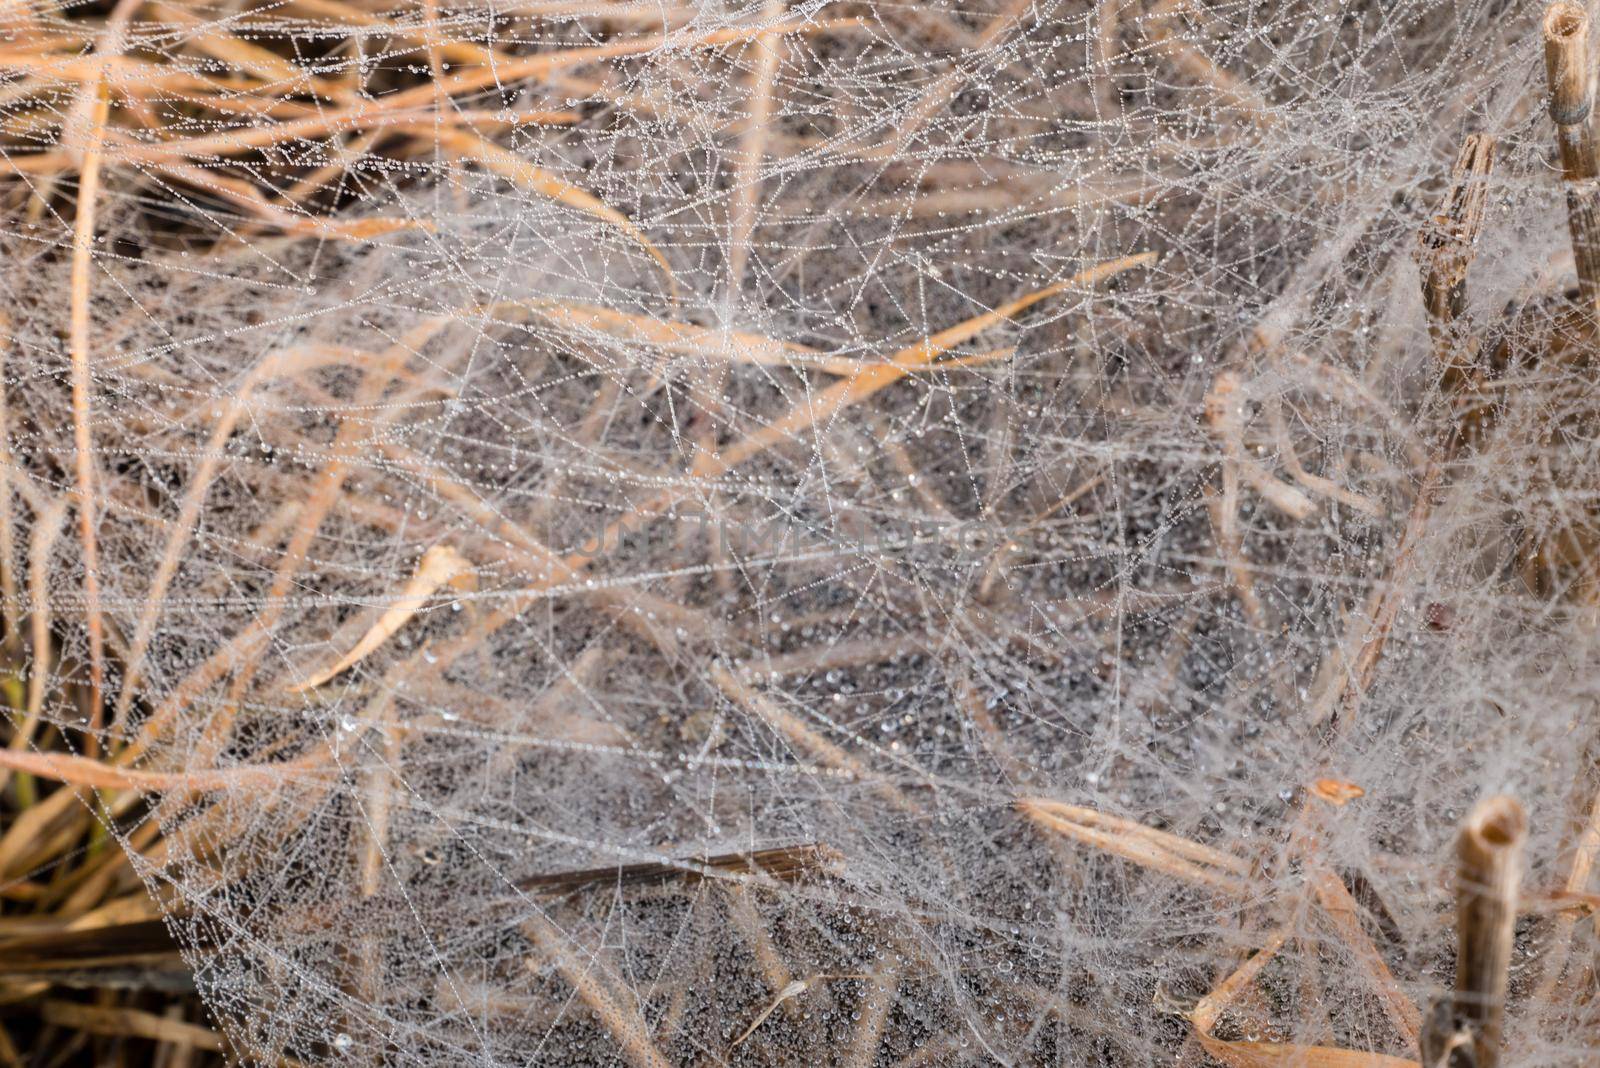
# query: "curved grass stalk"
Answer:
x=439 y=565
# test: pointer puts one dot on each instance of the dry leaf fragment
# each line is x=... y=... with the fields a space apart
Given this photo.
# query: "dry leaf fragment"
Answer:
x=439 y=565
x=1336 y=791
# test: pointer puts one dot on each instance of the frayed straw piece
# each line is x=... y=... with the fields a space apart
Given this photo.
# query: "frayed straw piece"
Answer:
x=1446 y=245
x=439 y=565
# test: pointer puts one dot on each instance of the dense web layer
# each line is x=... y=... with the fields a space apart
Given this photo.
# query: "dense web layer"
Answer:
x=857 y=533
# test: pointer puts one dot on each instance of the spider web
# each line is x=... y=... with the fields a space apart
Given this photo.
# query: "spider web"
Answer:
x=542 y=450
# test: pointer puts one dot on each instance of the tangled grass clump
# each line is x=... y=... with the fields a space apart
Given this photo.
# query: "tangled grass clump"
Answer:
x=838 y=532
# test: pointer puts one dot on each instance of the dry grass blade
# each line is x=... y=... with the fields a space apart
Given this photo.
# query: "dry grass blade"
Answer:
x=1347 y=677
x=82 y=771
x=88 y=946
x=350 y=120
x=793 y=990
x=10 y=604
x=324 y=493
x=548 y=63
x=47 y=528
x=453 y=49
x=818 y=410
x=82 y=392
x=752 y=151
x=279 y=74
x=1223 y=411
x=1190 y=60
x=1208 y=1009
x=252 y=200
x=939 y=94
x=1584 y=852
x=1289 y=1055
x=439 y=565
x=1314 y=483
x=1145 y=846
x=703 y=342
x=619 y=1017
x=194 y=497
x=882 y=993
x=323 y=309
x=525 y=175
x=800 y=734
x=1343 y=912
x=1224 y=509
x=1252 y=1054
x=130 y=1023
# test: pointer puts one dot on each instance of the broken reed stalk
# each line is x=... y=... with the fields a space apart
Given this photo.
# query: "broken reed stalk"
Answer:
x=1447 y=244
x=1566 y=64
x=782 y=864
x=1489 y=859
